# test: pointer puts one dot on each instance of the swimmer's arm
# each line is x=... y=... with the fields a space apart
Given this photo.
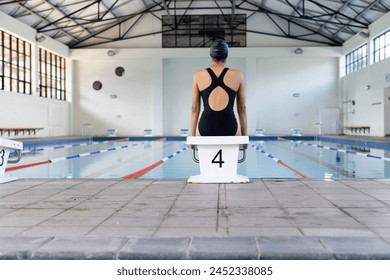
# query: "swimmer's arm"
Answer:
x=195 y=108
x=241 y=107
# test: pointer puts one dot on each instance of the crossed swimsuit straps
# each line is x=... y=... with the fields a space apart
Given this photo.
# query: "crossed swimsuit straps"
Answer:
x=218 y=123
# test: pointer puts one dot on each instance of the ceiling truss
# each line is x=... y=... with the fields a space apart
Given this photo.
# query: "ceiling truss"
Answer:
x=88 y=23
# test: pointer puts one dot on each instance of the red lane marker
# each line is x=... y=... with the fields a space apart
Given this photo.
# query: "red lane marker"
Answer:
x=292 y=169
x=142 y=171
x=12 y=168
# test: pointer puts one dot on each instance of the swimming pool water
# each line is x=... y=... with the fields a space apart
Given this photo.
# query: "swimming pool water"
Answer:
x=115 y=159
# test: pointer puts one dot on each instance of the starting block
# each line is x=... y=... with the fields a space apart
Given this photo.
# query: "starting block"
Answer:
x=6 y=146
x=112 y=132
x=218 y=158
x=148 y=132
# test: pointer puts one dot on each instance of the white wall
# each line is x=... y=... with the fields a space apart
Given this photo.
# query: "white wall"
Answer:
x=31 y=111
x=279 y=80
x=130 y=112
x=369 y=103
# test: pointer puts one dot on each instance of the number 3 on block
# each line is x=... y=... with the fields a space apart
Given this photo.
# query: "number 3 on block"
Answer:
x=218 y=159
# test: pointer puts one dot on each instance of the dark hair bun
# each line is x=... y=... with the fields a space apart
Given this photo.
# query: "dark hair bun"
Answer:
x=219 y=50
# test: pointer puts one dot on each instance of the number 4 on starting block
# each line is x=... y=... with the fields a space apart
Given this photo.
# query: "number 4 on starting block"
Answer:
x=218 y=158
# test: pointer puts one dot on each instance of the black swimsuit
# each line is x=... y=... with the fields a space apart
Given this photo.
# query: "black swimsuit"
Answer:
x=218 y=123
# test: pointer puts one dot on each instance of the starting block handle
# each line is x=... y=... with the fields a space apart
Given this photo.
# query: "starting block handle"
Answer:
x=243 y=148
x=18 y=157
x=194 y=149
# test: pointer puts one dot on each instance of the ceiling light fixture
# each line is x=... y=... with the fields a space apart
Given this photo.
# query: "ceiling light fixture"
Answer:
x=40 y=38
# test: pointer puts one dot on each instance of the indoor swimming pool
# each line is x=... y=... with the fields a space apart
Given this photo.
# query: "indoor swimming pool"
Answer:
x=172 y=159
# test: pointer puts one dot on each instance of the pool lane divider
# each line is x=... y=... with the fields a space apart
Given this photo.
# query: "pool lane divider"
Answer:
x=26 y=165
x=56 y=147
x=12 y=168
x=279 y=161
x=342 y=150
x=148 y=168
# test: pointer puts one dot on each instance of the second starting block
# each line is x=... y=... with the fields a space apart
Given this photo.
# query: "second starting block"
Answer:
x=218 y=158
x=6 y=146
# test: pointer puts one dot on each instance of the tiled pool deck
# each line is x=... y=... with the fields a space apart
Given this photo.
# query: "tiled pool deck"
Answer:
x=170 y=219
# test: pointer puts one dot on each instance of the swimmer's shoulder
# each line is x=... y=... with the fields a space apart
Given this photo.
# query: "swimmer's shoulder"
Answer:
x=201 y=73
x=234 y=73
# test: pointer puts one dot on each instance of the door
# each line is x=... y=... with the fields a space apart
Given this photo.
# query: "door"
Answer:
x=329 y=120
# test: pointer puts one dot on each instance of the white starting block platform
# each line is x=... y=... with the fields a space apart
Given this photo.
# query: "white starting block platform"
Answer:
x=218 y=158
x=6 y=146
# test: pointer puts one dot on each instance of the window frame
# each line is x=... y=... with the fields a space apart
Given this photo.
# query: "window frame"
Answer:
x=381 y=46
x=52 y=75
x=356 y=59
x=197 y=31
x=15 y=60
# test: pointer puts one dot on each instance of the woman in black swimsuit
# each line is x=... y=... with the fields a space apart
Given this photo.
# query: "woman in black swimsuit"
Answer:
x=218 y=87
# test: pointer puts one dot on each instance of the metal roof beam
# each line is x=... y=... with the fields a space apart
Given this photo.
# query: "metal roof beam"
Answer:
x=41 y=18
x=68 y=15
x=125 y=18
x=65 y=15
x=360 y=15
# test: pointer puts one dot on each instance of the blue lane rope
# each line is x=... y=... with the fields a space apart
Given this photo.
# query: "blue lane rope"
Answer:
x=36 y=149
x=94 y=152
x=342 y=150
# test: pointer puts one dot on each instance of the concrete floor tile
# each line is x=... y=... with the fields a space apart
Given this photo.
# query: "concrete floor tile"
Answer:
x=67 y=221
x=223 y=248
x=252 y=203
x=384 y=232
x=21 y=221
x=292 y=248
x=314 y=212
x=351 y=248
x=359 y=203
x=259 y=222
x=103 y=231
x=253 y=212
x=195 y=204
x=186 y=232
x=88 y=204
x=375 y=222
x=264 y=231
x=80 y=248
x=12 y=231
x=368 y=211
x=338 y=232
x=189 y=212
x=139 y=221
x=189 y=221
x=155 y=249
x=42 y=231
x=143 y=212
x=20 y=247
x=326 y=222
